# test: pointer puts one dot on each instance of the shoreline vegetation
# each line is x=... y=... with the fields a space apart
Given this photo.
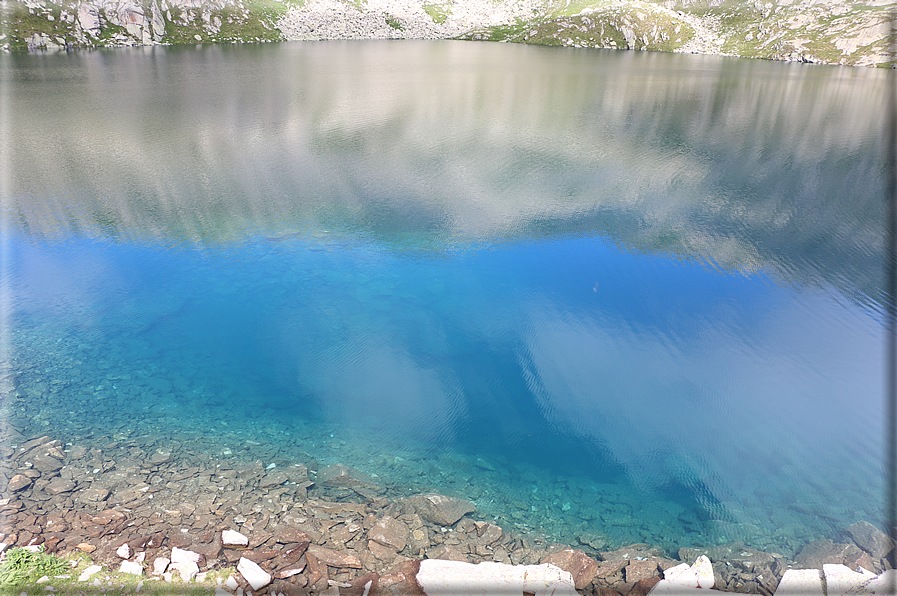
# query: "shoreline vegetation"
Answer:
x=128 y=516
x=845 y=32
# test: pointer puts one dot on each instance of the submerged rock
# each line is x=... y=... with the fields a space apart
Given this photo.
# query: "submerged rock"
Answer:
x=342 y=476
x=440 y=509
x=870 y=539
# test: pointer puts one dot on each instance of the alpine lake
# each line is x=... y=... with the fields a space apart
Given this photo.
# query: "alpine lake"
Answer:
x=610 y=297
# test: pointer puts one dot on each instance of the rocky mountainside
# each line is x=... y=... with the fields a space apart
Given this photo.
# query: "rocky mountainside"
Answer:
x=849 y=32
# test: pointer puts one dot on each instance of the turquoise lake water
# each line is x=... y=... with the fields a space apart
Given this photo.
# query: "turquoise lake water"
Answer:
x=618 y=294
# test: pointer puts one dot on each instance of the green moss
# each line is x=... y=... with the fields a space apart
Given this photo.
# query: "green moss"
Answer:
x=438 y=12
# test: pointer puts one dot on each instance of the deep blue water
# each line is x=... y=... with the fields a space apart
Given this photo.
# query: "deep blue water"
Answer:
x=589 y=308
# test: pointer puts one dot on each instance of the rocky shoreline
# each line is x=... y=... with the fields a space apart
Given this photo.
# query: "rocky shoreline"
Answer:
x=304 y=529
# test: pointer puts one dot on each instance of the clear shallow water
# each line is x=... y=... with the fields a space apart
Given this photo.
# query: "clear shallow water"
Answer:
x=598 y=293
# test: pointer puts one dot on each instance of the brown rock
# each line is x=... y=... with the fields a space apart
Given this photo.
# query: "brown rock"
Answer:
x=582 y=567
x=341 y=476
x=180 y=540
x=643 y=586
x=58 y=486
x=285 y=534
x=46 y=464
x=446 y=553
x=860 y=559
x=401 y=581
x=384 y=553
x=333 y=558
x=823 y=551
x=440 y=509
x=870 y=539
x=316 y=571
x=638 y=570
x=490 y=535
x=18 y=482
x=390 y=532
x=362 y=586
x=86 y=547
x=107 y=517
x=94 y=494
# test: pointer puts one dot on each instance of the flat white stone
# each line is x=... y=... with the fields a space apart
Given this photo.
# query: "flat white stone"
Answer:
x=450 y=578
x=801 y=582
x=231 y=583
x=186 y=569
x=233 y=538
x=89 y=573
x=124 y=551
x=179 y=555
x=839 y=579
x=254 y=575
x=160 y=565
x=666 y=587
x=886 y=583
x=131 y=567
x=703 y=571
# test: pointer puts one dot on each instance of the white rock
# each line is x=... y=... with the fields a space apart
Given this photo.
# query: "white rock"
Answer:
x=160 y=565
x=131 y=567
x=681 y=575
x=446 y=578
x=667 y=588
x=254 y=575
x=124 y=551
x=179 y=555
x=703 y=571
x=141 y=557
x=233 y=538
x=186 y=569
x=801 y=582
x=89 y=573
x=886 y=583
x=231 y=583
x=839 y=579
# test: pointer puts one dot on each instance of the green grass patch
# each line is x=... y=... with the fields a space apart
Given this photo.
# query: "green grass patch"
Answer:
x=22 y=566
x=394 y=23
x=438 y=12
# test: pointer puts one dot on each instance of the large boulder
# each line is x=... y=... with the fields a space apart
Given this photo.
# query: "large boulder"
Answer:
x=870 y=539
x=342 y=476
x=440 y=509
x=579 y=565
x=390 y=532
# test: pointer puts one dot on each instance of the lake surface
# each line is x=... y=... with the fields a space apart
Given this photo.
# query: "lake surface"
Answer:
x=609 y=296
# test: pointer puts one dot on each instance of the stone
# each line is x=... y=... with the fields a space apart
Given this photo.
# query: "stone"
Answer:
x=89 y=572
x=86 y=547
x=160 y=457
x=94 y=494
x=437 y=576
x=446 y=553
x=333 y=558
x=58 y=486
x=839 y=580
x=19 y=482
x=284 y=534
x=644 y=586
x=390 y=532
x=440 y=509
x=342 y=476
x=384 y=553
x=637 y=570
x=124 y=551
x=107 y=517
x=801 y=582
x=364 y=585
x=580 y=566
x=254 y=575
x=46 y=464
x=160 y=565
x=870 y=539
x=703 y=572
x=665 y=587
x=819 y=552
x=132 y=567
x=886 y=583
x=233 y=539
x=185 y=562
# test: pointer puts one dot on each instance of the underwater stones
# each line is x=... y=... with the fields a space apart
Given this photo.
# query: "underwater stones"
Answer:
x=333 y=558
x=19 y=482
x=94 y=494
x=342 y=476
x=440 y=509
x=58 y=486
x=440 y=577
x=254 y=575
x=46 y=464
x=580 y=566
x=823 y=551
x=160 y=457
x=870 y=539
x=640 y=569
x=390 y=532
x=446 y=553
